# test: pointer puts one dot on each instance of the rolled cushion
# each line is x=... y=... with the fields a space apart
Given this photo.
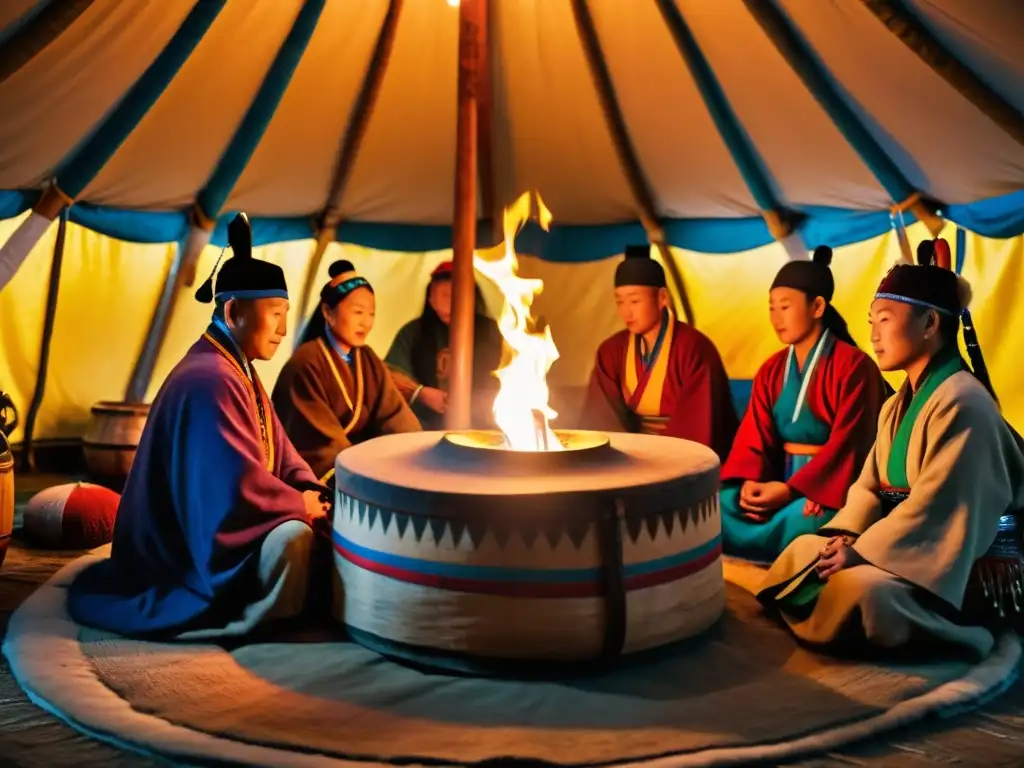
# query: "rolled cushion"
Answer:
x=71 y=516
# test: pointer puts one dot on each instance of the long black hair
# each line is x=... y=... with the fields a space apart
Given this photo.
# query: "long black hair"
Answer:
x=950 y=323
x=949 y=333
x=835 y=324
x=832 y=321
x=316 y=325
x=432 y=329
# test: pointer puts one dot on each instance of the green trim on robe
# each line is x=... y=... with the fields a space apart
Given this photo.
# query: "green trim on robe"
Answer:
x=940 y=369
x=799 y=598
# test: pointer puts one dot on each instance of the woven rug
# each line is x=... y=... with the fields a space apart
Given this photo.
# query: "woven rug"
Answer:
x=742 y=693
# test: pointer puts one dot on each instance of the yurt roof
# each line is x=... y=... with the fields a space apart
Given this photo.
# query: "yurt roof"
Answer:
x=837 y=110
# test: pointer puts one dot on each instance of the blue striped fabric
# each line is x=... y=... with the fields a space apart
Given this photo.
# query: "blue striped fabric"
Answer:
x=1000 y=217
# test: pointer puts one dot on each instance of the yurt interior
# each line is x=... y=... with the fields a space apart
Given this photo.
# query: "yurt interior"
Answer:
x=551 y=156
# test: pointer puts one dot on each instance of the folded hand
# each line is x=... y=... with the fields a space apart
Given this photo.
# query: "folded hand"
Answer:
x=315 y=508
x=813 y=509
x=764 y=499
x=837 y=555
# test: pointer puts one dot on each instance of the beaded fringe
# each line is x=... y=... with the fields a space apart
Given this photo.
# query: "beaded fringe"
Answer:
x=998 y=589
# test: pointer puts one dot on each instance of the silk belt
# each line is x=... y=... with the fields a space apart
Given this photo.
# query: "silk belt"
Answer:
x=801 y=449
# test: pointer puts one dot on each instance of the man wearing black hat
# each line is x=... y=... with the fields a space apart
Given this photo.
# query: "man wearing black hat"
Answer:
x=213 y=533
x=898 y=566
x=658 y=376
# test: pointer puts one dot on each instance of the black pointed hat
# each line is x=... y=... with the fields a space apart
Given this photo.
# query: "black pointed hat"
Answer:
x=242 y=276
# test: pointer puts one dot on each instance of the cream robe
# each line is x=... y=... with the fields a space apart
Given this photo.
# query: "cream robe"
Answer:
x=965 y=468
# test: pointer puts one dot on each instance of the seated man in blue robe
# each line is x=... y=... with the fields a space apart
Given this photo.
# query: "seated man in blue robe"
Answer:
x=214 y=531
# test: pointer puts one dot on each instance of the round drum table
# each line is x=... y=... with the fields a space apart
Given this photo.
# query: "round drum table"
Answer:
x=454 y=553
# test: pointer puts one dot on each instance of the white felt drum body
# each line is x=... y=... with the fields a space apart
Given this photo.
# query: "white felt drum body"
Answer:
x=479 y=558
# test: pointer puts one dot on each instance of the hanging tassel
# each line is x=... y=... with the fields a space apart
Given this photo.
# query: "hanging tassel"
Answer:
x=974 y=353
x=1000 y=583
x=204 y=294
x=995 y=591
x=967 y=322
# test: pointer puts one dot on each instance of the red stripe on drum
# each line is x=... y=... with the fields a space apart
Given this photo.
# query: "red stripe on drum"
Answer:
x=534 y=589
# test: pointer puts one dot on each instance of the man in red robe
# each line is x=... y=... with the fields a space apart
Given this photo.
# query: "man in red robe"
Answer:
x=658 y=376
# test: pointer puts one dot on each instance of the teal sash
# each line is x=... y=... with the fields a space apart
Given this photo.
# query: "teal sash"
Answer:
x=796 y=424
x=794 y=421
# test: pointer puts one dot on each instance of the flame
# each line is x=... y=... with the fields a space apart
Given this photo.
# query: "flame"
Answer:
x=523 y=391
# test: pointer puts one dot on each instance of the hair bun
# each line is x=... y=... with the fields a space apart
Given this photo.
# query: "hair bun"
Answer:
x=926 y=253
x=964 y=293
x=340 y=267
x=822 y=255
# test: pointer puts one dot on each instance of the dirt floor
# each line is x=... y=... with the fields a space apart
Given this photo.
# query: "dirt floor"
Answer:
x=993 y=736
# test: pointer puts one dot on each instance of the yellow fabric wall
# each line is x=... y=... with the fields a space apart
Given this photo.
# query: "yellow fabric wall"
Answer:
x=107 y=293
x=730 y=301
x=109 y=288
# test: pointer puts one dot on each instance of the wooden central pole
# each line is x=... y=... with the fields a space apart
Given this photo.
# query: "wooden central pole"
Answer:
x=472 y=15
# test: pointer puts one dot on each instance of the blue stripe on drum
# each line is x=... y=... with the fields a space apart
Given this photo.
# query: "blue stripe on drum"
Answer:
x=502 y=573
